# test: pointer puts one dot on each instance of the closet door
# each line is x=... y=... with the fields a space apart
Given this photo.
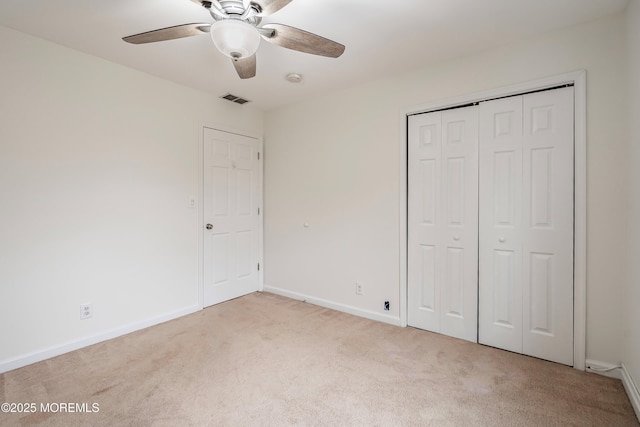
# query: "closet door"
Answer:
x=423 y=269
x=548 y=175
x=500 y=240
x=443 y=215
x=526 y=224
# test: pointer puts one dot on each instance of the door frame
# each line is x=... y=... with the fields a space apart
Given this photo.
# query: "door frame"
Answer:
x=578 y=79
x=200 y=204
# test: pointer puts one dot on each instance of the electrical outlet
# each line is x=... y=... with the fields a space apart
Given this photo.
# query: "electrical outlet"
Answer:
x=86 y=311
x=359 y=288
x=386 y=306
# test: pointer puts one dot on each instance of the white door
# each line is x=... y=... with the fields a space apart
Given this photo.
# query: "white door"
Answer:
x=231 y=216
x=500 y=245
x=443 y=217
x=526 y=224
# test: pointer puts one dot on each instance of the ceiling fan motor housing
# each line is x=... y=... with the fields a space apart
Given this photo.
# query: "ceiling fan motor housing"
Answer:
x=232 y=7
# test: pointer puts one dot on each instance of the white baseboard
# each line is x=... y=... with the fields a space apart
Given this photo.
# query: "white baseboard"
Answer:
x=47 y=353
x=392 y=320
x=632 y=389
x=619 y=372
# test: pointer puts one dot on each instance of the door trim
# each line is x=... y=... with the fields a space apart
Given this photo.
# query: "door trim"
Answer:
x=578 y=79
x=200 y=204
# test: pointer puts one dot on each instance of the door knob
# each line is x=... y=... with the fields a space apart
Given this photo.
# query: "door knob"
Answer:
x=456 y=238
x=209 y=226
x=501 y=239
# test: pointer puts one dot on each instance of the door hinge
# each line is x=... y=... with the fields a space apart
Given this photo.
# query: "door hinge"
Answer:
x=258 y=155
x=258 y=211
x=258 y=266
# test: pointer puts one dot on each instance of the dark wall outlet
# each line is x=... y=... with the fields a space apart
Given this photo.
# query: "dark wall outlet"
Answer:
x=386 y=305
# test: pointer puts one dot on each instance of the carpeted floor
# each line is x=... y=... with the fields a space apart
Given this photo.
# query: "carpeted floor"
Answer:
x=268 y=360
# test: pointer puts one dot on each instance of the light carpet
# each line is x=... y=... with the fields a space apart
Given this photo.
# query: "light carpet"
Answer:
x=267 y=360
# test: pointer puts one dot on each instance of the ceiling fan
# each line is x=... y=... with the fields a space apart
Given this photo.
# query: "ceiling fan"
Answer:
x=236 y=32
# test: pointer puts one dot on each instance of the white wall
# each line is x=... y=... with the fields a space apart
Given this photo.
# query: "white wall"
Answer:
x=333 y=163
x=632 y=330
x=97 y=163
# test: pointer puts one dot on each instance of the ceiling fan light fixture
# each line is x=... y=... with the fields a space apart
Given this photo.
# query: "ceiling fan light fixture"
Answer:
x=234 y=38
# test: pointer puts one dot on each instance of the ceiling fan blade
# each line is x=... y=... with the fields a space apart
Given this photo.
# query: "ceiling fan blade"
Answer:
x=169 y=33
x=269 y=7
x=245 y=67
x=303 y=41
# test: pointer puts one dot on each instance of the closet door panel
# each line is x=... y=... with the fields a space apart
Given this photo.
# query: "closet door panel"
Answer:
x=424 y=219
x=548 y=225
x=526 y=224
x=500 y=235
x=459 y=231
x=443 y=218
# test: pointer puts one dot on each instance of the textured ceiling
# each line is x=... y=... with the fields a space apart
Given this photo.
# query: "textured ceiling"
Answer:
x=381 y=37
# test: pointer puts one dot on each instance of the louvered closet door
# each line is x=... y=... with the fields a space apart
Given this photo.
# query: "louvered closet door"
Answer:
x=443 y=215
x=526 y=224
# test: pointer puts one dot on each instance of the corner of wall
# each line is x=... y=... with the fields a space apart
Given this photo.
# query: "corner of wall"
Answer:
x=630 y=374
x=631 y=388
x=621 y=373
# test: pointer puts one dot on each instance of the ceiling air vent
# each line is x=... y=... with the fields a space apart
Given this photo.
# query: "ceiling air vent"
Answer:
x=235 y=99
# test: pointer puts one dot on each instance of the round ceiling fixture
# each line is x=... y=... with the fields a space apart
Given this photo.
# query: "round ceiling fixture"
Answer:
x=234 y=38
x=294 y=77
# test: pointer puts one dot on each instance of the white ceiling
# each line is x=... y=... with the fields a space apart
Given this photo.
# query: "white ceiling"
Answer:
x=382 y=37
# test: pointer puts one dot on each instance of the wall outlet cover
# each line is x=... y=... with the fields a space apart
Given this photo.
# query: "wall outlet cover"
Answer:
x=86 y=311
